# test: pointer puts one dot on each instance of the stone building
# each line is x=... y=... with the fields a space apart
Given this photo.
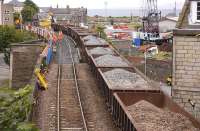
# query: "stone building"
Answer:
x=18 y=6
x=186 y=59
x=7 y=14
x=67 y=15
x=1 y=13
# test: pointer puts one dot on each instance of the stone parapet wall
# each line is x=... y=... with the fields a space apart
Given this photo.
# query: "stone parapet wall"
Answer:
x=23 y=60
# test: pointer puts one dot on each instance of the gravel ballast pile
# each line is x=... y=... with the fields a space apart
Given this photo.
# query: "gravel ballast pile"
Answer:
x=101 y=51
x=92 y=40
x=122 y=79
x=88 y=37
x=110 y=60
x=102 y=40
x=148 y=117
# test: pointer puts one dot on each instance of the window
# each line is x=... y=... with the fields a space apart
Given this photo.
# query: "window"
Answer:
x=198 y=10
x=7 y=11
x=6 y=19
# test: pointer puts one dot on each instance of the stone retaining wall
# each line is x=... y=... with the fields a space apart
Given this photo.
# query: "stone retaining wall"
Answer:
x=22 y=61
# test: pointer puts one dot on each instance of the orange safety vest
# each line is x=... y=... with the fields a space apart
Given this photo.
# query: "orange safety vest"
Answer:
x=60 y=35
x=55 y=38
x=48 y=35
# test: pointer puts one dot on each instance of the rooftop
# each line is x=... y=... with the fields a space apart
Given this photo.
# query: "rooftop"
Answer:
x=16 y=3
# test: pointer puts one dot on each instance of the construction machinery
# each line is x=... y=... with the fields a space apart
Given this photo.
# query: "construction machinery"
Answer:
x=151 y=17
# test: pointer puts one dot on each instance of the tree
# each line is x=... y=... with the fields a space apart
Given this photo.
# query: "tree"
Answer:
x=137 y=26
x=8 y=35
x=31 y=4
x=16 y=16
x=27 y=14
x=100 y=31
x=29 y=10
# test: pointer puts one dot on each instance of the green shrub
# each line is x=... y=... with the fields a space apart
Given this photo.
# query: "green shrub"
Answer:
x=15 y=107
x=8 y=35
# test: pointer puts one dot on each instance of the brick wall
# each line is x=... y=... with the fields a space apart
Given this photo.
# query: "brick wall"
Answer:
x=22 y=63
x=186 y=72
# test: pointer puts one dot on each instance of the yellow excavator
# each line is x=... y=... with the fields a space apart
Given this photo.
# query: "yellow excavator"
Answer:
x=41 y=79
x=46 y=22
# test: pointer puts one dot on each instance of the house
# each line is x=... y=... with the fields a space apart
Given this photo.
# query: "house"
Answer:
x=18 y=6
x=68 y=15
x=186 y=59
x=7 y=14
x=167 y=24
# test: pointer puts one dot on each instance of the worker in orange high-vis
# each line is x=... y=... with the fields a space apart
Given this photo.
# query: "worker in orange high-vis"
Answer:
x=55 y=39
x=60 y=36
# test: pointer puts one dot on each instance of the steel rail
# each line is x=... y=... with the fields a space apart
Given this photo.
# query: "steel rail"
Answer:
x=77 y=86
x=77 y=90
x=58 y=97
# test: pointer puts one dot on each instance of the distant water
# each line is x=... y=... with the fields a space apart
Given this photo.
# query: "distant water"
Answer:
x=123 y=12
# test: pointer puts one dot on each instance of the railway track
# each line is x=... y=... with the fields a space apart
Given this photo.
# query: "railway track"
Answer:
x=70 y=115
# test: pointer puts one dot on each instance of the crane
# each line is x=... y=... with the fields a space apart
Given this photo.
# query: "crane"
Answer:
x=151 y=17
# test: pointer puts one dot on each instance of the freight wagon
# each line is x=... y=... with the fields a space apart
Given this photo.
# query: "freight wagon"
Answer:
x=126 y=104
x=123 y=87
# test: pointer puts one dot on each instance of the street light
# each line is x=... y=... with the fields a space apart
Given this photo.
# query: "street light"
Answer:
x=145 y=62
x=20 y=15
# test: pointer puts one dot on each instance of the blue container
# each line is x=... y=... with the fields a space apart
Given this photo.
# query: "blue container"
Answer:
x=49 y=56
x=137 y=42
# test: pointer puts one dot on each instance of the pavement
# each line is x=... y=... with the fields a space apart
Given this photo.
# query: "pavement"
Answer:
x=4 y=69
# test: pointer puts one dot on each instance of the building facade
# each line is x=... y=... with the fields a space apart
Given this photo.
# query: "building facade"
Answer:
x=67 y=15
x=18 y=6
x=1 y=12
x=168 y=24
x=7 y=14
x=186 y=59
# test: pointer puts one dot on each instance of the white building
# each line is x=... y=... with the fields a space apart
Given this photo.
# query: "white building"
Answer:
x=168 y=24
x=190 y=16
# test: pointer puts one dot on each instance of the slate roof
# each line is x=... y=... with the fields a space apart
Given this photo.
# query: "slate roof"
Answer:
x=60 y=10
x=16 y=3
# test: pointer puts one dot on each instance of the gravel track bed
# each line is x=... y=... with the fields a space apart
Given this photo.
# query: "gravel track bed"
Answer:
x=95 y=110
x=45 y=109
x=89 y=37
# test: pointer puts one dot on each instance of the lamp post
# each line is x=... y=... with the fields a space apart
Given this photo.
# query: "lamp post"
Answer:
x=145 y=62
x=20 y=15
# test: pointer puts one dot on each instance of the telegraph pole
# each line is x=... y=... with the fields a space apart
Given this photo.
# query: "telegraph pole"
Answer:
x=105 y=4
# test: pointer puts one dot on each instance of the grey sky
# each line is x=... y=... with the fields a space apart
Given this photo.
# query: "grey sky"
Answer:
x=99 y=4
